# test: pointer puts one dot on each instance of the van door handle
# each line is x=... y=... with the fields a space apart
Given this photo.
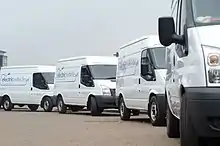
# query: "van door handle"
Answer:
x=79 y=85
x=139 y=81
x=31 y=88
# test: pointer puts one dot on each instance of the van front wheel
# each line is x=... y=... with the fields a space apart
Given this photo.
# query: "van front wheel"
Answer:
x=125 y=113
x=157 y=112
x=95 y=110
x=47 y=104
x=172 y=125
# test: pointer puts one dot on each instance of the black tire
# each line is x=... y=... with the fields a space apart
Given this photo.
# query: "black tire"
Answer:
x=125 y=113
x=135 y=112
x=157 y=111
x=94 y=109
x=7 y=105
x=61 y=107
x=33 y=107
x=47 y=104
x=172 y=125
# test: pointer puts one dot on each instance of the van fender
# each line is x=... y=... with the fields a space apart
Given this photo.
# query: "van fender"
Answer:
x=51 y=96
x=60 y=94
x=121 y=95
x=159 y=96
x=87 y=101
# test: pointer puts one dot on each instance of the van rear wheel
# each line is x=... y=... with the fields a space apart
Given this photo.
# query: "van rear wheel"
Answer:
x=125 y=113
x=95 y=110
x=7 y=105
x=61 y=107
x=47 y=104
x=33 y=107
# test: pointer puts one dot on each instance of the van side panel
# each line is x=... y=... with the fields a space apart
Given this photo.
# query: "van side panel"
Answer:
x=67 y=80
x=127 y=78
x=16 y=84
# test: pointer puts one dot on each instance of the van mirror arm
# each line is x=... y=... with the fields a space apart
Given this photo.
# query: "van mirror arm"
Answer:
x=179 y=39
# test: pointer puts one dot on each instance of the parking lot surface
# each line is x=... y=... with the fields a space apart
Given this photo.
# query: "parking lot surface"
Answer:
x=24 y=128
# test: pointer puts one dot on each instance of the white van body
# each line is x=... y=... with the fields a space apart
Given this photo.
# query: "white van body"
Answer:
x=134 y=87
x=19 y=85
x=193 y=71
x=76 y=92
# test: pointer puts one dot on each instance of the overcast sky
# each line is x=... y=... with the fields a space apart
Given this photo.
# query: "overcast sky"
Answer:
x=43 y=31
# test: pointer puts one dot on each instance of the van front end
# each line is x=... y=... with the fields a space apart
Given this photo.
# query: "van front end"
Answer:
x=107 y=98
x=204 y=102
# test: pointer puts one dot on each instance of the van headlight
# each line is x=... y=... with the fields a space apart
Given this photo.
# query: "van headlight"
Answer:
x=105 y=90
x=214 y=75
x=213 y=59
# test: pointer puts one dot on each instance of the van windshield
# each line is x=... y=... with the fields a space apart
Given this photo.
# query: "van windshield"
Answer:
x=158 y=55
x=206 y=12
x=103 y=71
x=49 y=77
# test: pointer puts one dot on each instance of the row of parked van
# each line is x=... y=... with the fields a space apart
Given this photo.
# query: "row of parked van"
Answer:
x=131 y=81
x=184 y=89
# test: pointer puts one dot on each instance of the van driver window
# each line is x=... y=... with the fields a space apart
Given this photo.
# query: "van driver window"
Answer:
x=39 y=82
x=84 y=71
x=146 y=66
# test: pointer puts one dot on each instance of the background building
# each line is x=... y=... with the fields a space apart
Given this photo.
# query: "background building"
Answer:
x=3 y=59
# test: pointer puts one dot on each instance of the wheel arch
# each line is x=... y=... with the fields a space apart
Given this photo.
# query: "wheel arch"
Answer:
x=89 y=101
x=42 y=99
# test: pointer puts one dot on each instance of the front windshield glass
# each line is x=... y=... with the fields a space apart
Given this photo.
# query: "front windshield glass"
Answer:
x=206 y=12
x=159 y=57
x=103 y=71
x=49 y=77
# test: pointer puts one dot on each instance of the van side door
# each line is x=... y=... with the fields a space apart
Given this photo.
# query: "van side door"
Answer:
x=86 y=84
x=39 y=85
x=147 y=78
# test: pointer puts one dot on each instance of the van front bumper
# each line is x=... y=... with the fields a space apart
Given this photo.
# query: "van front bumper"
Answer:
x=105 y=101
x=203 y=106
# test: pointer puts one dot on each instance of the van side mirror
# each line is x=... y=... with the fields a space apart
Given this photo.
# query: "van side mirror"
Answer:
x=167 y=34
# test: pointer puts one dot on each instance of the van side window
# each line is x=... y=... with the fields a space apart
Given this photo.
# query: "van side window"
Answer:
x=85 y=77
x=147 y=69
x=39 y=81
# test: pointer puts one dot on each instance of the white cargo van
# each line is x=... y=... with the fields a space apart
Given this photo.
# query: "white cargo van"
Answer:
x=86 y=81
x=193 y=71
x=140 y=79
x=30 y=85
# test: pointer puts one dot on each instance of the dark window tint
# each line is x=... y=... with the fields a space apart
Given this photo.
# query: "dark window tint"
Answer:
x=39 y=81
